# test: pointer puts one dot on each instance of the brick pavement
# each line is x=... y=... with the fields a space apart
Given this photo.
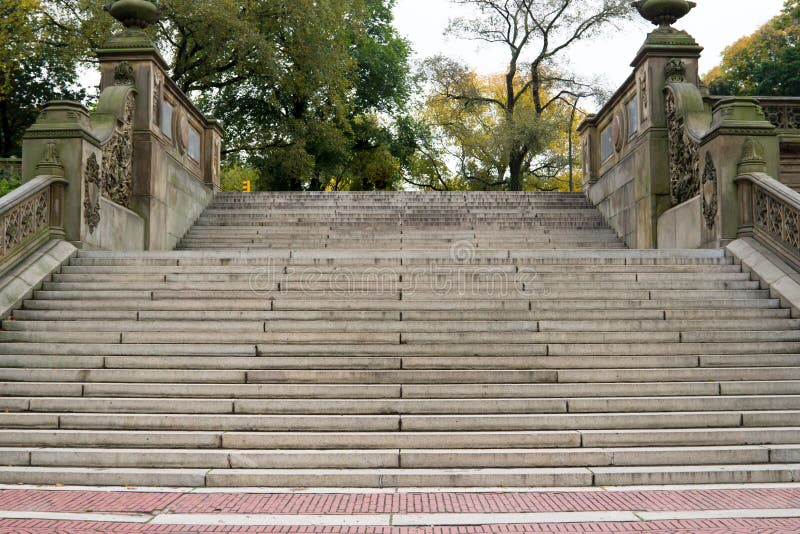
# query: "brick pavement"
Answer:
x=343 y=504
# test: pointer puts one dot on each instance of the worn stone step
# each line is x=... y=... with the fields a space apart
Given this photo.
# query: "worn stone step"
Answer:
x=682 y=437
x=237 y=422
x=672 y=475
x=159 y=325
x=586 y=457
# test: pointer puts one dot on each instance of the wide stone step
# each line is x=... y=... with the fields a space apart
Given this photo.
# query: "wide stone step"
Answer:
x=395 y=458
x=376 y=363
x=406 y=423
x=556 y=343
x=370 y=305
x=409 y=326
x=397 y=391
x=398 y=406
x=769 y=318
x=495 y=276
x=344 y=285
x=398 y=440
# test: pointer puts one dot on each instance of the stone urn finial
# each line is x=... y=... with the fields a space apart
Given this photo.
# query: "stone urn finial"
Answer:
x=135 y=13
x=663 y=12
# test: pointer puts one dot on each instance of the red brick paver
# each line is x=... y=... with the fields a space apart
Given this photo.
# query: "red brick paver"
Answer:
x=379 y=503
x=744 y=526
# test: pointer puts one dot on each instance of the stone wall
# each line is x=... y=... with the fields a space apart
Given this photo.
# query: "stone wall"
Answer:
x=662 y=156
x=142 y=166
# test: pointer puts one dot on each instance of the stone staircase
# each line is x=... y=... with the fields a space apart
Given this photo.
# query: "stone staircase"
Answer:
x=400 y=340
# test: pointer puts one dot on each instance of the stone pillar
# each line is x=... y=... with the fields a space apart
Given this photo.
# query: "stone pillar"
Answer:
x=61 y=143
x=176 y=149
x=149 y=68
x=737 y=123
x=666 y=55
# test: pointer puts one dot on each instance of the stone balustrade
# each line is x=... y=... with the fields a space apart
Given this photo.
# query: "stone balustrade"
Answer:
x=11 y=166
x=770 y=213
x=29 y=216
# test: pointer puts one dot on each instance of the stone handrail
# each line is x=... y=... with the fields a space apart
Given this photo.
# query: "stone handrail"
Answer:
x=29 y=216
x=783 y=112
x=769 y=212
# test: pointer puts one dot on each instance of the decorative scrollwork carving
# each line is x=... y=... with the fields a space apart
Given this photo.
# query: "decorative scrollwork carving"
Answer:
x=785 y=117
x=684 y=162
x=24 y=220
x=778 y=219
x=117 y=174
x=92 y=188
x=710 y=190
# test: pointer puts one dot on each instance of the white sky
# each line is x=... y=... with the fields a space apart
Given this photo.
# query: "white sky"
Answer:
x=714 y=24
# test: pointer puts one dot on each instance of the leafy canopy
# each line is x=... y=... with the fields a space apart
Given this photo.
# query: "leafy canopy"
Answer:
x=766 y=63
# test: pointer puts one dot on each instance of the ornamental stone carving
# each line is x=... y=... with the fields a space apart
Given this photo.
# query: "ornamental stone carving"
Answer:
x=675 y=71
x=710 y=192
x=215 y=157
x=777 y=218
x=684 y=165
x=23 y=221
x=783 y=116
x=92 y=188
x=123 y=74
x=158 y=88
x=117 y=173
x=643 y=97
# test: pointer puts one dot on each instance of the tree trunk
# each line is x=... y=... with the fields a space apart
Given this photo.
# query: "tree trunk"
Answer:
x=5 y=131
x=515 y=161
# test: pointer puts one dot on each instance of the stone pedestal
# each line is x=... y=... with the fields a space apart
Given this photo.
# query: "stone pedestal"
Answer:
x=61 y=141
x=177 y=149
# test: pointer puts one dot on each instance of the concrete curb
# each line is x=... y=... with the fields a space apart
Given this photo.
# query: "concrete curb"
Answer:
x=773 y=273
x=19 y=283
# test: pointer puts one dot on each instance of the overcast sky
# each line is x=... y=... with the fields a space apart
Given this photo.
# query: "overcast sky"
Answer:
x=715 y=24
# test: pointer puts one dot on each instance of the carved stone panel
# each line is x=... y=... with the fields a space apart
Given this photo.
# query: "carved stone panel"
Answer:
x=158 y=87
x=644 y=111
x=24 y=220
x=710 y=192
x=777 y=218
x=92 y=189
x=118 y=159
x=684 y=165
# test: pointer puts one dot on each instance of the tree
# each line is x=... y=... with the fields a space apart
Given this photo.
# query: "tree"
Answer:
x=534 y=33
x=766 y=63
x=34 y=69
x=470 y=142
x=306 y=90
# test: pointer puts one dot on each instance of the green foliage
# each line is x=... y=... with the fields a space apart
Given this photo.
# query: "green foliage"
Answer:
x=293 y=81
x=232 y=177
x=766 y=63
x=307 y=117
x=8 y=181
x=499 y=131
x=35 y=67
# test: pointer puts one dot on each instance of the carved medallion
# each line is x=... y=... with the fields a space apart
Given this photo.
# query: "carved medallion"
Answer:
x=92 y=188
x=675 y=71
x=710 y=192
x=123 y=74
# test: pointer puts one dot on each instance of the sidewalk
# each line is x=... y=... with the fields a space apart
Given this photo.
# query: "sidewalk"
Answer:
x=745 y=509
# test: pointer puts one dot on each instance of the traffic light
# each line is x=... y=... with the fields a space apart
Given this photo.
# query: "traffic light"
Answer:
x=246 y=187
